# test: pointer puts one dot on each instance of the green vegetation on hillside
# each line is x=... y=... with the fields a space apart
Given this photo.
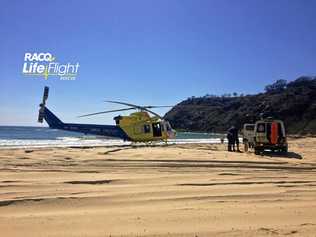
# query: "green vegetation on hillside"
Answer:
x=293 y=102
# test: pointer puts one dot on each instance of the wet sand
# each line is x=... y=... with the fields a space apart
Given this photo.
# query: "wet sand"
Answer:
x=177 y=190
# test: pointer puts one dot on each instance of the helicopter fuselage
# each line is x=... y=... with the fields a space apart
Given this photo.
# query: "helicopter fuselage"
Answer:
x=139 y=126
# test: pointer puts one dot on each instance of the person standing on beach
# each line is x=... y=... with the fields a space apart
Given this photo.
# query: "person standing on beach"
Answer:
x=235 y=138
x=230 y=138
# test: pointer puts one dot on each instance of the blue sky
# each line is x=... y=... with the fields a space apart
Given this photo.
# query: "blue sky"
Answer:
x=149 y=52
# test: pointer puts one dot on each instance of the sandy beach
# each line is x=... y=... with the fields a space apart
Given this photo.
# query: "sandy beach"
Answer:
x=177 y=190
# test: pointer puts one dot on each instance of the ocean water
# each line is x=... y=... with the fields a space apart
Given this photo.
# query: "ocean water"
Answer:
x=28 y=137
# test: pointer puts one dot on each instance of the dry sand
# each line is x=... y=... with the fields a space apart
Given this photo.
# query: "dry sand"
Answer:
x=179 y=190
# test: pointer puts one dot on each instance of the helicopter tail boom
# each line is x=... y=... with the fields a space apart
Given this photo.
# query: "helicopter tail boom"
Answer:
x=102 y=130
x=52 y=119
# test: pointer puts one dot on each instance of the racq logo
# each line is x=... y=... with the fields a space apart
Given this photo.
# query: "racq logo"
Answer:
x=44 y=64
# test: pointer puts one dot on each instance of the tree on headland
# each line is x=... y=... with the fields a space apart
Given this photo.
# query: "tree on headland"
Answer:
x=277 y=86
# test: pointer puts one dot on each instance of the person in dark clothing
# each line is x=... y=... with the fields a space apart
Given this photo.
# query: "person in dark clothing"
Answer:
x=232 y=136
x=236 y=139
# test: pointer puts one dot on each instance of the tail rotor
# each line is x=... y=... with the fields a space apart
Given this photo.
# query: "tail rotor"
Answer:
x=42 y=105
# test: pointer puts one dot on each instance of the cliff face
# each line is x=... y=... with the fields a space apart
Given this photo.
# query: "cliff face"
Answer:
x=294 y=103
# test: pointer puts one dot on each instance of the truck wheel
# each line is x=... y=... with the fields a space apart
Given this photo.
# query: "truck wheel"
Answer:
x=257 y=151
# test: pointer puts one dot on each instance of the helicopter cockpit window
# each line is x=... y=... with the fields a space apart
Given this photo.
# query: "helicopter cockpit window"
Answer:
x=146 y=128
x=261 y=127
x=156 y=129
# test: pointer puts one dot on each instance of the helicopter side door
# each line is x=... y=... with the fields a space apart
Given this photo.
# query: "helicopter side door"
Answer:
x=156 y=129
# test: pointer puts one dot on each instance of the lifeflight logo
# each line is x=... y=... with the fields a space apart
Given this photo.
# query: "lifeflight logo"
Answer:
x=44 y=64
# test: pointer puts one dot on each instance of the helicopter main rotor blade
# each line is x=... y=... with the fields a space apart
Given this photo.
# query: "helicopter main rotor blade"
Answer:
x=135 y=106
x=104 y=112
x=157 y=106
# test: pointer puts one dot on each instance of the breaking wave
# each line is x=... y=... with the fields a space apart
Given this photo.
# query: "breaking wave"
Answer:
x=38 y=137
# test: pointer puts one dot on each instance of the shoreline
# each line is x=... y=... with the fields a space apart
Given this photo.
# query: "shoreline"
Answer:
x=137 y=144
x=113 y=143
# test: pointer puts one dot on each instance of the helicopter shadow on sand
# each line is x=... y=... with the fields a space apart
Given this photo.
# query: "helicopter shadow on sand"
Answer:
x=289 y=154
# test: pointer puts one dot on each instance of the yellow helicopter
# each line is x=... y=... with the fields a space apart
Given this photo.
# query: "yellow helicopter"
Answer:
x=137 y=127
